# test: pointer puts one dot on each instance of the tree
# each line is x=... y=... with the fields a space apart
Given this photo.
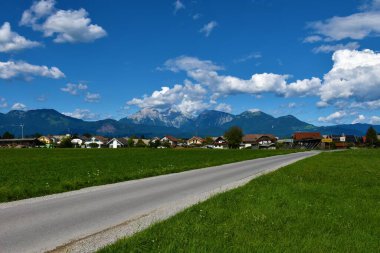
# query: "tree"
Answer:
x=166 y=144
x=66 y=143
x=155 y=143
x=371 y=136
x=208 y=141
x=87 y=135
x=131 y=143
x=140 y=144
x=8 y=135
x=234 y=136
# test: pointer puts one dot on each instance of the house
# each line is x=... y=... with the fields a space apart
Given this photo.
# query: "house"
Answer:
x=307 y=140
x=20 y=143
x=172 y=140
x=220 y=143
x=95 y=142
x=118 y=143
x=79 y=141
x=46 y=139
x=285 y=143
x=195 y=141
x=259 y=141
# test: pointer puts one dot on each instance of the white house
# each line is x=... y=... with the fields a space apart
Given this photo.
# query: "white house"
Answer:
x=117 y=143
x=92 y=142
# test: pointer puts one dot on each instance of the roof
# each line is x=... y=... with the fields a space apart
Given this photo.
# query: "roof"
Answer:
x=101 y=138
x=120 y=140
x=254 y=137
x=307 y=136
x=196 y=138
x=171 y=138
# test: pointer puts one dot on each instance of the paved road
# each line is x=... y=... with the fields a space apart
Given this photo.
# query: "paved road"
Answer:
x=41 y=224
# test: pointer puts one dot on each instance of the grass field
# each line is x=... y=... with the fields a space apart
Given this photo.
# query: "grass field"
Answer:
x=327 y=203
x=28 y=173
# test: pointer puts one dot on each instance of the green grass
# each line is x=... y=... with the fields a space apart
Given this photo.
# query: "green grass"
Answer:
x=328 y=203
x=28 y=173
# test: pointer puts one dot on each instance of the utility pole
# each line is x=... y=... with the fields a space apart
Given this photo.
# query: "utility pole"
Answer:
x=22 y=129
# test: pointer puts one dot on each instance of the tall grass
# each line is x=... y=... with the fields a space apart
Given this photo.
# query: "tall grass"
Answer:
x=26 y=173
x=327 y=203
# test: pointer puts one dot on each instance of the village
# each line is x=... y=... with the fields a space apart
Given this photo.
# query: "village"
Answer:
x=299 y=140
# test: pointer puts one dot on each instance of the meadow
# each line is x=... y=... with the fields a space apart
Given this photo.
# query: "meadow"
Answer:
x=327 y=203
x=26 y=173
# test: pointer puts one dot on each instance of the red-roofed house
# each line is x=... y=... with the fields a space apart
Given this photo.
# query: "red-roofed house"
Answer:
x=172 y=140
x=259 y=141
x=307 y=140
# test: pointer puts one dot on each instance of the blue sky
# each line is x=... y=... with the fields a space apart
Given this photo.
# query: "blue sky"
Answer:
x=96 y=59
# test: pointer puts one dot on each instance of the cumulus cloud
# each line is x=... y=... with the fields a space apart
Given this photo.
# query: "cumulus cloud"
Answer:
x=3 y=103
x=208 y=28
x=355 y=74
x=178 y=5
x=360 y=118
x=18 y=106
x=375 y=120
x=71 y=26
x=205 y=72
x=188 y=99
x=92 y=97
x=11 y=41
x=335 y=117
x=332 y=48
x=73 y=89
x=84 y=114
x=11 y=69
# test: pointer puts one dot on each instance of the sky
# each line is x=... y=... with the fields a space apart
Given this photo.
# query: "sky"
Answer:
x=318 y=60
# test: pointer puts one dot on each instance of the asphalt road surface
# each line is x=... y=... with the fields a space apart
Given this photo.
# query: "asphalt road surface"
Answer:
x=44 y=223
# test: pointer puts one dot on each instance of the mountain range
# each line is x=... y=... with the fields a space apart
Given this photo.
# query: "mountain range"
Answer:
x=151 y=122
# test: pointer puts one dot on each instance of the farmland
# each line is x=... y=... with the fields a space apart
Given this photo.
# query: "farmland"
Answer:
x=327 y=203
x=26 y=173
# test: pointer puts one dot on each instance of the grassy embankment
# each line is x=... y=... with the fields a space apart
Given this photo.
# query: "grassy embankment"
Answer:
x=28 y=173
x=328 y=203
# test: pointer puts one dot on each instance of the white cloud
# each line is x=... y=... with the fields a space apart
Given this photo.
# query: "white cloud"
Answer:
x=37 y=11
x=254 y=55
x=208 y=28
x=332 y=48
x=205 y=73
x=335 y=117
x=3 y=103
x=355 y=74
x=197 y=16
x=178 y=5
x=11 y=41
x=11 y=69
x=73 y=89
x=18 y=106
x=224 y=108
x=186 y=63
x=372 y=105
x=84 y=114
x=375 y=120
x=188 y=99
x=71 y=26
x=370 y=5
x=312 y=39
x=356 y=26
x=301 y=88
x=92 y=97
x=359 y=119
